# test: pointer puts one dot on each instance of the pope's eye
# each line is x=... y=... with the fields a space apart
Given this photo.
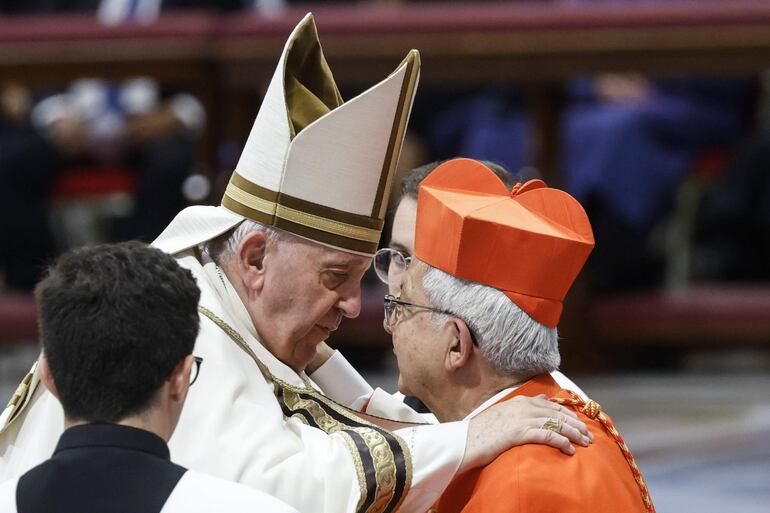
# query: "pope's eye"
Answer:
x=333 y=279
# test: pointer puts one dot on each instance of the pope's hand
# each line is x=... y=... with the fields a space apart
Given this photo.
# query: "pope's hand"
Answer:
x=520 y=421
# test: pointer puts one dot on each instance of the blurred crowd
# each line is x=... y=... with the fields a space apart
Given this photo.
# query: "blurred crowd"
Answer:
x=628 y=144
x=666 y=166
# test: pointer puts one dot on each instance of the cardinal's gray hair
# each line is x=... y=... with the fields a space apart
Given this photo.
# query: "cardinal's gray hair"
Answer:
x=511 y=340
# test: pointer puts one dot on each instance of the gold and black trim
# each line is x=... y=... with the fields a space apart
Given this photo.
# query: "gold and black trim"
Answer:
x=304 y=218
x=382 y=459
x=382 y=454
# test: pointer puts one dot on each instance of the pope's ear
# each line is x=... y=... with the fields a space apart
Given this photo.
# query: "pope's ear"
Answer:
x=46 y=376
x=461 y=346
x=251 y=259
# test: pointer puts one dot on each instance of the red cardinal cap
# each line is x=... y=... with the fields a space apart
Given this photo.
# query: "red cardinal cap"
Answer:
x=529 y=243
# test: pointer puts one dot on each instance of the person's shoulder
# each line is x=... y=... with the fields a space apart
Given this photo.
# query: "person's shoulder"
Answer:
x=8 y=495
x=597 y=475
x=534 y=460
x=198 y=492
x=528 y=478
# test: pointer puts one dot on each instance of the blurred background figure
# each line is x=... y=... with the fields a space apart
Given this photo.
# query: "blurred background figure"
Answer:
x=732 y=232
x=96 y=130
x=28 y=162
x=627 y=142
x=107 y=124
x=131 y=134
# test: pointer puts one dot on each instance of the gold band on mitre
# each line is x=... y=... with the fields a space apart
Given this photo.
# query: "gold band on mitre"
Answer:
x=309 y=220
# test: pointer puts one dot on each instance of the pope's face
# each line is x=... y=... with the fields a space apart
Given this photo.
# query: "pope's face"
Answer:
x=417 y=339
x=307 y=291
x=402 y=238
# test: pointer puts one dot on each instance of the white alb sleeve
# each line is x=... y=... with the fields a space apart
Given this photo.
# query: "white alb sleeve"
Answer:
x=341 y=381
x=437 y=452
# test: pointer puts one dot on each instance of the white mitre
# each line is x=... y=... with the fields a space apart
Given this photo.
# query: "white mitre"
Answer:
x=312 y=165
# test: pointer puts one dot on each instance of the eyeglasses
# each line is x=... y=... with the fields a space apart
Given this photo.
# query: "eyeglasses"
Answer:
x=196 y=369
x=393 y=305
x=389 y=262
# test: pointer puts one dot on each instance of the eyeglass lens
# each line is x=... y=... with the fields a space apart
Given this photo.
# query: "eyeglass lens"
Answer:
x=388 y=261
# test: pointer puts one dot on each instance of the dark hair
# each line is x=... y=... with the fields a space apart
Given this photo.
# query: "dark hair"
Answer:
x=411 y=181
x=115 y=321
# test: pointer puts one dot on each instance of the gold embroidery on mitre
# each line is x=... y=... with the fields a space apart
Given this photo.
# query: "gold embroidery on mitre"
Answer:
x=302 y=216
x=389 y=464
x=328 y=225
x=249 y=200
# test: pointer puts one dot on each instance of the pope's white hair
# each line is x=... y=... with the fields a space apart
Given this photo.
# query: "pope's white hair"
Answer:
x=226 y=245
x=509 y=339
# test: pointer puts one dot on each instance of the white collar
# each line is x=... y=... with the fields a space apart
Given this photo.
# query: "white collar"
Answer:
x=492 y=400
x=561 y=380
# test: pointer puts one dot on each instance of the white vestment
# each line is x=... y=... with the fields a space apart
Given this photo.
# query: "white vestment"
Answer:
x=238 y=425
x=194 y=493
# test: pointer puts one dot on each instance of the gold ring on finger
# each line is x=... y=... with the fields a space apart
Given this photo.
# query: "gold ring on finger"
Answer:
x=552 y=424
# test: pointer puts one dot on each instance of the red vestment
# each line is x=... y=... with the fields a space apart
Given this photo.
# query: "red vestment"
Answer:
x=538 y=479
